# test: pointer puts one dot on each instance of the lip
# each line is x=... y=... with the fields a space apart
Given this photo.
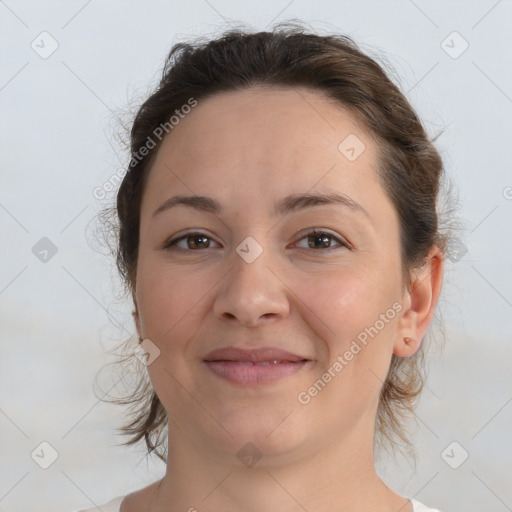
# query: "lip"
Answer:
x=255 y=355
x=249 y=367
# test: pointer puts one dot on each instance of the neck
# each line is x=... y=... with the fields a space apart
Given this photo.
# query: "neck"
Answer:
x=341 y=473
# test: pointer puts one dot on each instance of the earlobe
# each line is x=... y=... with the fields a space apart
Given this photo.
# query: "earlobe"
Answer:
x=422 y=299
x=406 y=346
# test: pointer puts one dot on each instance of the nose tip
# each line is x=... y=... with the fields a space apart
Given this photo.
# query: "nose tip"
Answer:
x=250 y=293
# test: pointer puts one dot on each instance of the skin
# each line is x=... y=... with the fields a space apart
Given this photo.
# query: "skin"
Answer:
x=249 y=149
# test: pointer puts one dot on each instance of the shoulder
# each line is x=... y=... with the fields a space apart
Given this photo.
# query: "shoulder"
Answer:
x=419 y=507
x=136 y=500
x=112 y=506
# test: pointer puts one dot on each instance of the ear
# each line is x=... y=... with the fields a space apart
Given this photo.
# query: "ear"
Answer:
x=419 y=305
x=135 y=314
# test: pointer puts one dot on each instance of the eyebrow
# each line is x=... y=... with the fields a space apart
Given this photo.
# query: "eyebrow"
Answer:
x=293 y=202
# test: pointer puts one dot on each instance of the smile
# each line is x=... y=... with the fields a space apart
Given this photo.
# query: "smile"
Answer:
x=246 y=373
x=250 y=367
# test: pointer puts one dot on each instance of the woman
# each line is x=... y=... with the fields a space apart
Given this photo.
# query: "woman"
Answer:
x=279 y=235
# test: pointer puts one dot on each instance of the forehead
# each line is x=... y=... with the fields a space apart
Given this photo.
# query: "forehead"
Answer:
x=266 y=142
x=278 y=120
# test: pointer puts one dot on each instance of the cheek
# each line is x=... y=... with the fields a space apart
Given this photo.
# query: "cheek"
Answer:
x=168 y=299
x=358 y=323
x=171 y=309
x=347 y=301
x=357 y=318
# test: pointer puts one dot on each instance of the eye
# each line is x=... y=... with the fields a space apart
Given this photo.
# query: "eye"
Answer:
x=192 y=242
x=314 y=239
x=323 y=240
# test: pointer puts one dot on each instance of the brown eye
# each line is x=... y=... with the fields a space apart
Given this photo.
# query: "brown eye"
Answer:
x=323 y=240
x=197 y=242
x=191 y=242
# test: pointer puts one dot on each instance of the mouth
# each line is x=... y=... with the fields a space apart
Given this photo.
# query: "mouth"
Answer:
x=256 y=366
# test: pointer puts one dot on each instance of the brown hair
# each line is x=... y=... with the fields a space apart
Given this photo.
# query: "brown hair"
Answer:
x=410 y=169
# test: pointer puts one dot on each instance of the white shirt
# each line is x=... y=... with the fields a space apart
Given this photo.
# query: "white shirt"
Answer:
x=113 y=506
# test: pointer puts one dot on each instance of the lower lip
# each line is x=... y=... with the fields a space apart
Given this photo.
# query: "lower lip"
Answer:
x=253 y=374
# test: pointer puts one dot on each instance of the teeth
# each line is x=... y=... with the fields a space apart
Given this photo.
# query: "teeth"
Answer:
x=267 y=363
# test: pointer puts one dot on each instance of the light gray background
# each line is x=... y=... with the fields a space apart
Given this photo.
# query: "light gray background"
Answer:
x=59 y=318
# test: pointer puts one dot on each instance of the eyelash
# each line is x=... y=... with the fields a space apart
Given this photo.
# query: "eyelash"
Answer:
x=314 y=232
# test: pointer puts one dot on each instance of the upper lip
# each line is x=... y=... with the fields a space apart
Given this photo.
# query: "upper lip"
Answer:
x=255 y=355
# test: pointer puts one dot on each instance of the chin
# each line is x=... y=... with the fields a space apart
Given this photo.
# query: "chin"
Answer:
x=267 y=432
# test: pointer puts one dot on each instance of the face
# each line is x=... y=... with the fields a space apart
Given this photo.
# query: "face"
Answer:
x=256 y=267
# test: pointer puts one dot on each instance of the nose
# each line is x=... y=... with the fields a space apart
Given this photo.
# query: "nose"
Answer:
x=252 y=293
